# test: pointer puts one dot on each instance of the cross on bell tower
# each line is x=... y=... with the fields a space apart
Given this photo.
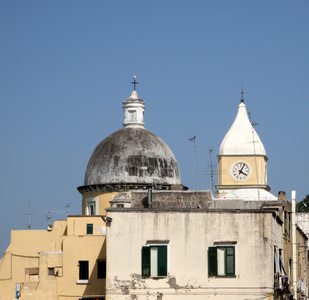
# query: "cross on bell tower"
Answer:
x=242 y=95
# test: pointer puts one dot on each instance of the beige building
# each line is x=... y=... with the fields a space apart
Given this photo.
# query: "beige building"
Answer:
x=187 y=245
x=143 y=235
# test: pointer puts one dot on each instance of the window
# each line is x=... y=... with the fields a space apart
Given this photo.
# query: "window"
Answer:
x=91 y=209
x=51 y=271
x=32 y=274
x=101 y=269
x=83 y=270
x=221 y=261
x=154 y=261
x=132 y=115
x=89 y=228
x=91 y=206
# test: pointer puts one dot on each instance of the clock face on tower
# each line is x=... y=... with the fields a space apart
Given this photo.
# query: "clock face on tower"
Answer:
x=240 y=171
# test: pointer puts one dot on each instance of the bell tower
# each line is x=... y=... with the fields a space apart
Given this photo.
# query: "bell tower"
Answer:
x=242 y=160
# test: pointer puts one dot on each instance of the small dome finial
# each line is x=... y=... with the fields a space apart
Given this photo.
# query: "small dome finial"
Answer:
x=242 y=94
x=134 y=82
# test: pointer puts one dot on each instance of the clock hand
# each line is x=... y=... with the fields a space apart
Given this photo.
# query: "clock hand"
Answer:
x=240 y=171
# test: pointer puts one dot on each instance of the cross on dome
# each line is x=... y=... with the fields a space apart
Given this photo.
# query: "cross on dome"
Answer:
x=134 y=82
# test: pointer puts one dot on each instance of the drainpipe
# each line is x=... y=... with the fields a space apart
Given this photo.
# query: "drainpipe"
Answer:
x=294 y=265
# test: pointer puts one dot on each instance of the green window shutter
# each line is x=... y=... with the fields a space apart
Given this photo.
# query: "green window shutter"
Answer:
x=89 y=228
x=230 y=261
x=212 y=261
x=146 y=261
x=162 y=260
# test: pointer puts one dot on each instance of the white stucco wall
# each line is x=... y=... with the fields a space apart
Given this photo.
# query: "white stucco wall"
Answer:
x=189 y=235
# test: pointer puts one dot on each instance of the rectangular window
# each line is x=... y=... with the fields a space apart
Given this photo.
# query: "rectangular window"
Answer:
x=221 y=261
x=91 y=209
x=91 y=206
x=51 y=271
x=154 y=261
x=83 y=270
x=101 y=269
x=132 y=115
x=89 y=228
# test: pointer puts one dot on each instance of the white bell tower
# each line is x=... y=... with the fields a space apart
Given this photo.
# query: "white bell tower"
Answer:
x=242 y=160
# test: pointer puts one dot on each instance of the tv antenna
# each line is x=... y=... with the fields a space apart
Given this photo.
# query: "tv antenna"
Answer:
x=252 y=123
x=193 y=139
x=44 y=212
x=212 y=172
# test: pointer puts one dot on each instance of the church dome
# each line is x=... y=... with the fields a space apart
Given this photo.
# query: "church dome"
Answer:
x=132 y=157
x=242 y=138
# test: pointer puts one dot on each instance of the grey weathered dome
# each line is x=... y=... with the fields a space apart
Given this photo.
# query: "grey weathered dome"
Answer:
x=132 y=155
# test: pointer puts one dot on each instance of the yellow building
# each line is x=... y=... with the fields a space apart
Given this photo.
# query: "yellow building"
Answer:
x=64 y=262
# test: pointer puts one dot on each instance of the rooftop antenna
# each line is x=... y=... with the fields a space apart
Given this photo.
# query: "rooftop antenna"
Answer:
x=193 y=139
x=48 y=217
x=134 y=82
x=212 y=172
x=43 y=212
x=29 y=223
x=252 y=123
x=68 y=208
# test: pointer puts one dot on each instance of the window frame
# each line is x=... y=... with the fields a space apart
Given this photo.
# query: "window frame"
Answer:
x=91 y=206
x=83 y=272
x=162 y=260
x=213 y=262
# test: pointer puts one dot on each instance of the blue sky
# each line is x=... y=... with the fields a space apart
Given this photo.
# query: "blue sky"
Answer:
x=66 y=67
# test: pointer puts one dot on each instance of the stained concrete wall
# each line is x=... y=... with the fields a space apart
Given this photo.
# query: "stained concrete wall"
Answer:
x=189 y=235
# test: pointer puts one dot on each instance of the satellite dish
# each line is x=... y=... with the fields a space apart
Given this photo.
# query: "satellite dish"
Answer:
x=50 y=227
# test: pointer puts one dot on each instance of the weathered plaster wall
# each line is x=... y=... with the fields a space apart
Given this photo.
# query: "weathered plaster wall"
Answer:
x=189 y=235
